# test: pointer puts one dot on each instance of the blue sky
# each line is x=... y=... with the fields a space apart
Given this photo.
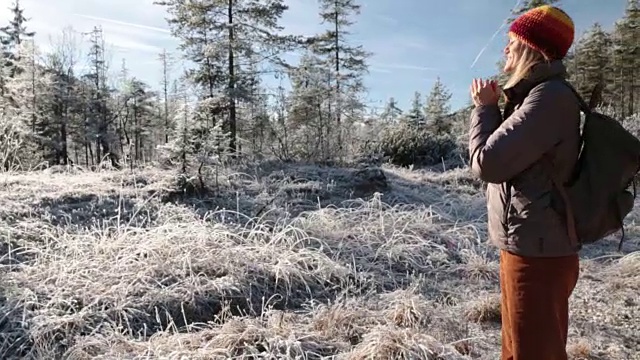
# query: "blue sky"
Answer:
x=413 y=41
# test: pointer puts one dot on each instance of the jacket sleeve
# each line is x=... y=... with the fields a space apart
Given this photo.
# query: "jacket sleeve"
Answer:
x=498 y=152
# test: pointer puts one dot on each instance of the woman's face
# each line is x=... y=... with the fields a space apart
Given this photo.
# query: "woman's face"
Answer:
x=512 y=51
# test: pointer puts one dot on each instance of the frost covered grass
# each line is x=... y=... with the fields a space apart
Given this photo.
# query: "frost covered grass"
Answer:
x=290 y=262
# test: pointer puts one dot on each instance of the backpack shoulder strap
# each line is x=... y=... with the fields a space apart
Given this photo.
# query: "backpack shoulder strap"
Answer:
x=583 y=104
x=570 y=217
x=558 y=183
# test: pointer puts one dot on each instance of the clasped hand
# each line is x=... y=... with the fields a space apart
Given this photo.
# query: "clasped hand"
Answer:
x=484 y=92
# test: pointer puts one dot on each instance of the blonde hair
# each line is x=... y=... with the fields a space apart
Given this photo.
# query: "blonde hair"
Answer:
x=528 y=58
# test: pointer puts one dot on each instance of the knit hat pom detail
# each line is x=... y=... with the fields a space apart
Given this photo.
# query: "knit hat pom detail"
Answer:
x=545 y=28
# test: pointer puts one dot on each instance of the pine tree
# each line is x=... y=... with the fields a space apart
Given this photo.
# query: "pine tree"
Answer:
x=218 y=36
x=592 y=61
x=64 y=104
x=30 y=91
x=280 y=129
x=627 y=59
x=13 y=135
x=5 y=98
x=253 y=113
x=180 y=148
x=391 y=112
x=101 y=117
x=348 y=62
x=140 y=108
x=167 y=61
x=309 y=105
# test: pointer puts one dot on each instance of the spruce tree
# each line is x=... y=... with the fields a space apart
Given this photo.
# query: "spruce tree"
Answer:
x=415 y=115
x=437 y=108
x=12 y=35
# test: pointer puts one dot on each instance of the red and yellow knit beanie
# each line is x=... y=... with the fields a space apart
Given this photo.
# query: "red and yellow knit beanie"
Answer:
x=545 y=28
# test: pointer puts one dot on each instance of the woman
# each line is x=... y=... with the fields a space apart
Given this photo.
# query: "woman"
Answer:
x=519 y=153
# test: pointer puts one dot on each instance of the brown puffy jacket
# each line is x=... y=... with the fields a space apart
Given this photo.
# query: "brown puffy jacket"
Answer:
x=525 y=212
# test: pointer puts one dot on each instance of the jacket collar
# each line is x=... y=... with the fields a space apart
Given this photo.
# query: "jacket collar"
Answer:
x=538 y=73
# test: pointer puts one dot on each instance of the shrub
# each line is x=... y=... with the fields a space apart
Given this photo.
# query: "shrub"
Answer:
x=406 y=145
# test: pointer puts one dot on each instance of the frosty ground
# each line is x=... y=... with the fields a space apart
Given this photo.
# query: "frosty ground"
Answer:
x=275 y=261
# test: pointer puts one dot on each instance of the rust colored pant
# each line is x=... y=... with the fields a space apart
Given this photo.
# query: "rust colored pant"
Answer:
x=535 y=305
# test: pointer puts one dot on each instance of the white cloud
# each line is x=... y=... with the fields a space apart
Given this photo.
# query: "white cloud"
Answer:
x=135 y=30
x=126 y=24
x=124 y=44
x=48 y=20
x=378 y=69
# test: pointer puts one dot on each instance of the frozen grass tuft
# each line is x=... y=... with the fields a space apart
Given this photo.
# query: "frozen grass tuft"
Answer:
x=279 y=264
